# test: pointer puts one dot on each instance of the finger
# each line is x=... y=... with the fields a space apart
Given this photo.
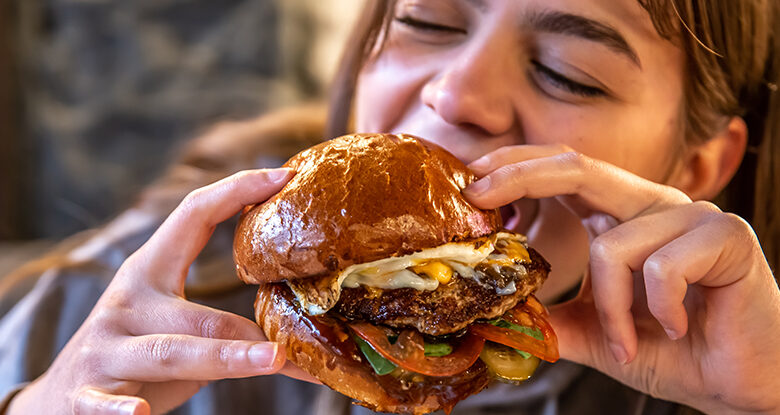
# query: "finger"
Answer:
x=577 y=327
x=514 y=154
x=708 y=255
x=163 y=357
x=619 y=253
x=90 y=401
x=174 y=246
x=179 y=316
x=597 y=185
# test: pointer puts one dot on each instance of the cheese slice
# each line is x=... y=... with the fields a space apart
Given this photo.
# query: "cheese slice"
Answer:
x=423 y=270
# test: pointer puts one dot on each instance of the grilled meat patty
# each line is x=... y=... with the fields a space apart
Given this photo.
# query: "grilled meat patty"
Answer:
x=451 y=307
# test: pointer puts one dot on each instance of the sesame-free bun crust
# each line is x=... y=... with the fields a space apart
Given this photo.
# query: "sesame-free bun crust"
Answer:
x=323 y=347
x=356 y=199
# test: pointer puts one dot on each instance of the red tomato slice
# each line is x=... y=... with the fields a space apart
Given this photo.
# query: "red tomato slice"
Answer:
x=531 y=313
x=408 y=351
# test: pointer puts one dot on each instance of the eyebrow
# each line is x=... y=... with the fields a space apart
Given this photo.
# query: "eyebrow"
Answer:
x=574 y=25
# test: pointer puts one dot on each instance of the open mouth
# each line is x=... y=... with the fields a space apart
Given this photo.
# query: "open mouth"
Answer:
x=518 y=215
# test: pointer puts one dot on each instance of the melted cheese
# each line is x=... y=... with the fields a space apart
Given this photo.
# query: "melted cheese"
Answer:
x=395 y=272
x=516 y=250
x=423 y=270
x=436 y=270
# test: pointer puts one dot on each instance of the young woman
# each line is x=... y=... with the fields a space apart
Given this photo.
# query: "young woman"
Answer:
x=598 y=127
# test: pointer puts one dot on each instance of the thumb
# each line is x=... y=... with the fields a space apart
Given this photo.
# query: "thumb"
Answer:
x=577 y=329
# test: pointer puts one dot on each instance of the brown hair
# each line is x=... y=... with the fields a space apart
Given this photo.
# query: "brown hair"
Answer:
x=732 y=50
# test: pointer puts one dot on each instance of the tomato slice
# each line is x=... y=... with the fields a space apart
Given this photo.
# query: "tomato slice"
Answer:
x=530 y=314
x=408 y=351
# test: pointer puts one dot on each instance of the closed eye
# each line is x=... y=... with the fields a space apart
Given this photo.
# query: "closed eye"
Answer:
x=562 y=82
x=427 y=26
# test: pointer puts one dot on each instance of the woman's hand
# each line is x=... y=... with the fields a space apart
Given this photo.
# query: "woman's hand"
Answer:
x=678 y=302
x=144 y=348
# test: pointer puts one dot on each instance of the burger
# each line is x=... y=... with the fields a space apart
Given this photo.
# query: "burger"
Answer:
x=384 y=283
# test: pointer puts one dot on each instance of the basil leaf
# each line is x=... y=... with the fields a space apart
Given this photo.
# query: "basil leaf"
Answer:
x=535 y=333
x=380 y=365
x=437 y=349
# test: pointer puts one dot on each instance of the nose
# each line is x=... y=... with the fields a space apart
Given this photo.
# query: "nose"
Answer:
x=474 y=90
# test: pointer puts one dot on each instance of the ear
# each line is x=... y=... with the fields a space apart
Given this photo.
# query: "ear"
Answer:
x=708 y=167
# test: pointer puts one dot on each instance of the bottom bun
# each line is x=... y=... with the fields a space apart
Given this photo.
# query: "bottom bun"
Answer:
x=323 y=347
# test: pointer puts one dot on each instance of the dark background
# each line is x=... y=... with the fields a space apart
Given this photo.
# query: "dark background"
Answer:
x=97 y=96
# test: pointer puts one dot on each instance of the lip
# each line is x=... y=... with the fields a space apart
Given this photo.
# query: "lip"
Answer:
x=519 y=215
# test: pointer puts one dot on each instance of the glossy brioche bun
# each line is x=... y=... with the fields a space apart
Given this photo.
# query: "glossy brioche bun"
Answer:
x=355 y=199
x=323 y=348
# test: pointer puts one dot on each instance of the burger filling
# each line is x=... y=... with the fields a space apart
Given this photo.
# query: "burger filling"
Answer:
x=511 y=346
x=438 y=311
x=497 y=264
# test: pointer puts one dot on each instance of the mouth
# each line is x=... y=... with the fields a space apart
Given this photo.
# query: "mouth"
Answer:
x=519 y=215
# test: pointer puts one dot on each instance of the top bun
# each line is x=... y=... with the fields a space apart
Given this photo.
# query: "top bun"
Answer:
x=355 y=199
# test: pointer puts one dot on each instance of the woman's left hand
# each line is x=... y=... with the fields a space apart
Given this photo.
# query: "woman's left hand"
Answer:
x=678 y=302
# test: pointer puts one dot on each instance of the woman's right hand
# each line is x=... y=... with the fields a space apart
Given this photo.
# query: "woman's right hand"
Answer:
x=144 y=348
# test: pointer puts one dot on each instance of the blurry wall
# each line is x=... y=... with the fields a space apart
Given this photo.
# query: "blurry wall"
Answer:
x=107 y=91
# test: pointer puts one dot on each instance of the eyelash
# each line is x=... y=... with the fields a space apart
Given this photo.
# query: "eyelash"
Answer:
x=565 y=83
x=550 y=75
x=427 y=26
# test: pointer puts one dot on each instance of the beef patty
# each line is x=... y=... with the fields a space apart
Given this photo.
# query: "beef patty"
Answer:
x=452 y=306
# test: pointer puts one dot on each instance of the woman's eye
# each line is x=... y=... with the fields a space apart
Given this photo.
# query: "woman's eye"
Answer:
x=427 y=26
x=562 y=82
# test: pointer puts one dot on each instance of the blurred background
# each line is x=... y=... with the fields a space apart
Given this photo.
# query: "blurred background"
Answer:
x=98 y=96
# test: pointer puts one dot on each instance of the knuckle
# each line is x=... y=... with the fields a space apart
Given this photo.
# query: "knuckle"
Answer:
x=161 y=351
x=658 y=266
x=216 y=326
x=240 y=176
x=510 y=174
x=737 y=224
x=90 y=358
x=577 y=160
x=656 y=269
x=117 y=302
x=223 y=356
x=192 y=201
x=706 y=207
x=511 y=170
x=502 y=153
x=105 y=318
x=603 y=248
x=563 y=148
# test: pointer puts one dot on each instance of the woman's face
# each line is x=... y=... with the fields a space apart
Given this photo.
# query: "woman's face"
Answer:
x=476 y=75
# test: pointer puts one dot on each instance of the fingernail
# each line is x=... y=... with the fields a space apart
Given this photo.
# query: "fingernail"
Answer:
x=277 y=175
x=619 y=352
x=478 y=187
x=479 y=164
x=128 y=407
x=672 y=333
x=263 y=354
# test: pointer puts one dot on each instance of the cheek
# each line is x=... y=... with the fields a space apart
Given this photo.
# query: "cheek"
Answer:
x=637 y=140
x=385 y=92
